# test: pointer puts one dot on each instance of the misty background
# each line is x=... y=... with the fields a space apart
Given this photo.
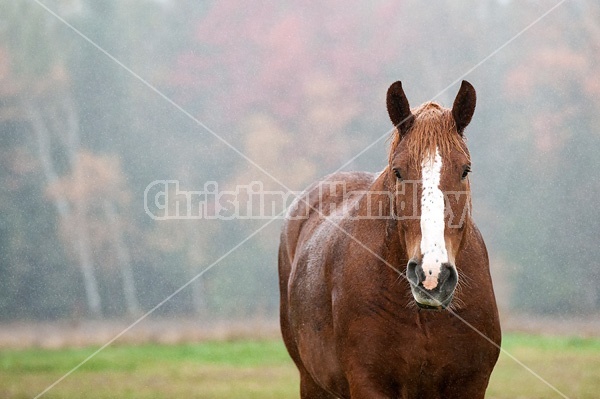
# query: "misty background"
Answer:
x=299 y=87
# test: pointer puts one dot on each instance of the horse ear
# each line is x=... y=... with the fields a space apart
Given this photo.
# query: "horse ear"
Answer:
x=398 y=108
x=464 y=106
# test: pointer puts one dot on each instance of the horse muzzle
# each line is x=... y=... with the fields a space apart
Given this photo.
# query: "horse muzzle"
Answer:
x=432 y=291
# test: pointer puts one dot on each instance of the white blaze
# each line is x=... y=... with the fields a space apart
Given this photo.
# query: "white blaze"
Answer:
x=433 y=244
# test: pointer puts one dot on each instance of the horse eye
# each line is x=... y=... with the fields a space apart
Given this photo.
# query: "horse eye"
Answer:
x=397 y=173
x=466 y=171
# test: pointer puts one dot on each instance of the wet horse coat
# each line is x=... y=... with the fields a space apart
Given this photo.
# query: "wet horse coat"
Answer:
x=364 y=258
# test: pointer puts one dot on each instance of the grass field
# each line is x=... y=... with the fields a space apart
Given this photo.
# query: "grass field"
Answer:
x=262 y=369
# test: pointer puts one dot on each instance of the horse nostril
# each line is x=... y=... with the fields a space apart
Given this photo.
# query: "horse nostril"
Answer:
x=448 y=275
x=414 y=272
x=453 y=278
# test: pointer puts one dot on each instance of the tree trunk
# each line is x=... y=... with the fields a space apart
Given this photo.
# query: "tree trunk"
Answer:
x=194 y=259
x=80 y=236
x=124 y=259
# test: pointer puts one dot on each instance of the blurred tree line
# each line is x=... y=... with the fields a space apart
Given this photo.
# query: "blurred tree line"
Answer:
x=299 y=88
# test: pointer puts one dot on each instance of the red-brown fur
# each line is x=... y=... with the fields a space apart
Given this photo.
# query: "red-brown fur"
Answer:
x=348 y=318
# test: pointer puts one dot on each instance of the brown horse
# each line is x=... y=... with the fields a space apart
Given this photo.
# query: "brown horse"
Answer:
x=348 y=318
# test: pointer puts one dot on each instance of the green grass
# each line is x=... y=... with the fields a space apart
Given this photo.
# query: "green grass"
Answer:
x=262 y=369
x=572 y=365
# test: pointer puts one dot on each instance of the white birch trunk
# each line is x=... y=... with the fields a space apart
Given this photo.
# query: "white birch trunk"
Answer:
x=123 y=258
x=80 y=237
x=194 y=260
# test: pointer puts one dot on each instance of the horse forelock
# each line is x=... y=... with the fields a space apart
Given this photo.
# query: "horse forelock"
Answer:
x=433 y=129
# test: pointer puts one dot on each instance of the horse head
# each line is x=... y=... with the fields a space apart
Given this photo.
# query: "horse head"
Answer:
x=428 y=170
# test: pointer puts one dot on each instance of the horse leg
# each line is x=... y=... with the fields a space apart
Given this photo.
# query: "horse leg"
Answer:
x=370 y=393
x=466 y=388
x=362 y=386
x=309 y=389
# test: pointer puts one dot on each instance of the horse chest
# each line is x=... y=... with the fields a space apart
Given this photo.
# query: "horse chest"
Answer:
x=414 y=343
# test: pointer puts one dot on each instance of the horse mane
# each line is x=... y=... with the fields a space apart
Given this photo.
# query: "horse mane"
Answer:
x=433 y=127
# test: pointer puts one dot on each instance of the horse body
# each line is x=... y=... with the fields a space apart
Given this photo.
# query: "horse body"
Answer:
x=347 y=316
